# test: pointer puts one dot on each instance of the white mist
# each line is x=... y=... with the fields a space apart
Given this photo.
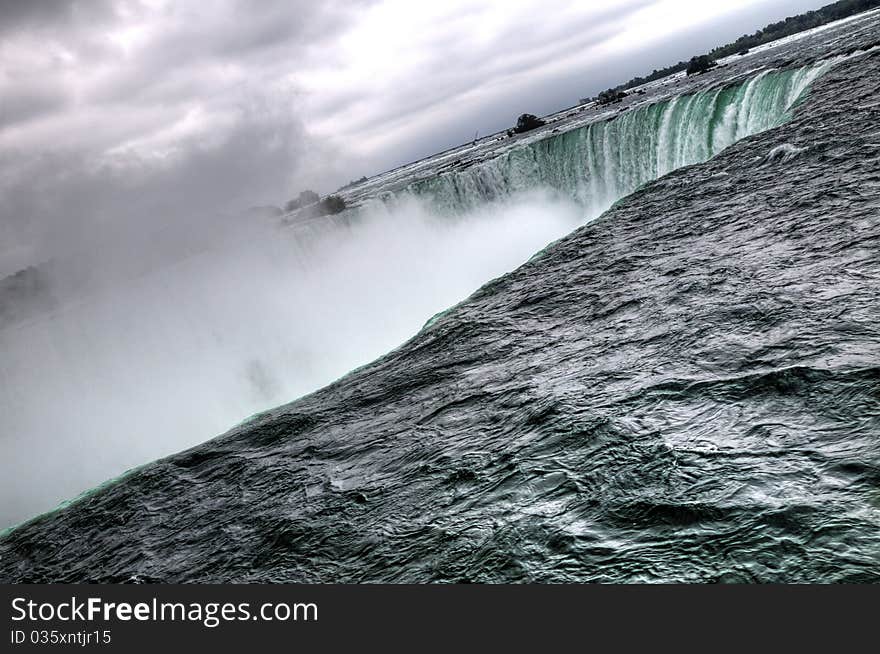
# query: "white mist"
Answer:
x=158 y=353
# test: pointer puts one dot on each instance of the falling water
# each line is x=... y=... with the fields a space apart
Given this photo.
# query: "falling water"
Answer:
x=600 y=163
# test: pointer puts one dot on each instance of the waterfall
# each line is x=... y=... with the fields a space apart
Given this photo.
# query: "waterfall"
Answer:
x=601 y=162
x=164 y=353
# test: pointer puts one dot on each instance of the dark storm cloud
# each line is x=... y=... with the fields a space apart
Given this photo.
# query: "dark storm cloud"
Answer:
x=27 y=100
x=63 y=200
x=47 y=15
x=113 y=114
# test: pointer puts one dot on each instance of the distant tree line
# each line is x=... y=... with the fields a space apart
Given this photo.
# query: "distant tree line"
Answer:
x=771 y=32
x=795 y=24
x=697 y=65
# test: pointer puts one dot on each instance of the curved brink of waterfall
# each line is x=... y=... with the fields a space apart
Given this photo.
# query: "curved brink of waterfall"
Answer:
x=599 y=163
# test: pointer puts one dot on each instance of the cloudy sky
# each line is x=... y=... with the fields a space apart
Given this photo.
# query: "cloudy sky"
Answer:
x=124 y=110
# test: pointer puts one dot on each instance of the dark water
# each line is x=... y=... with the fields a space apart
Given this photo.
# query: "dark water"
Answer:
x=686 y=390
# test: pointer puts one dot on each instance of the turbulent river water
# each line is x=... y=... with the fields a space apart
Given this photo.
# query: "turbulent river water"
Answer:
x=685 y=389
